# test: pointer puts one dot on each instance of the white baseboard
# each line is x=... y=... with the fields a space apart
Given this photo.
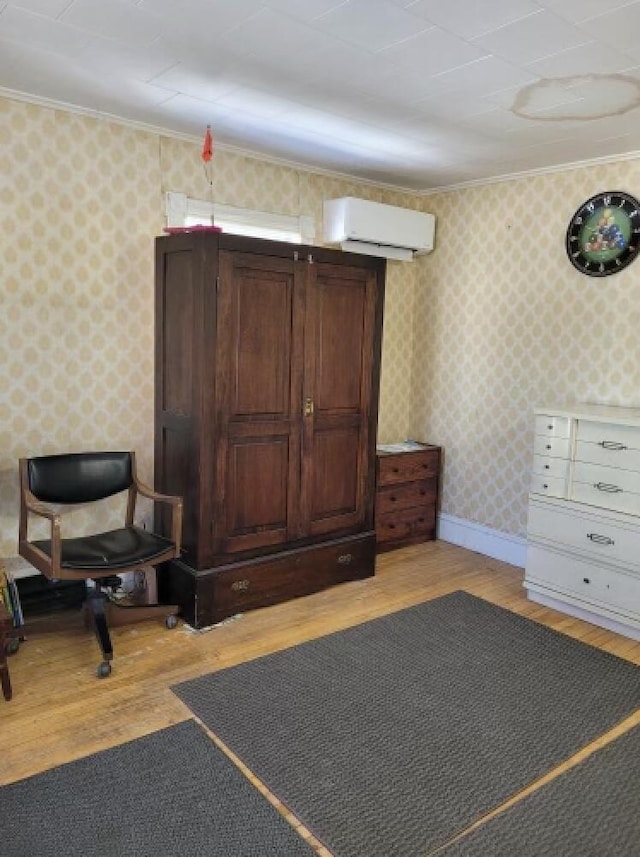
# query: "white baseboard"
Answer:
x=475 y=537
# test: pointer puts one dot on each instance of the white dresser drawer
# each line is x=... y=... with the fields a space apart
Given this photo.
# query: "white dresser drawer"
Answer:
x=554 y=447
x=558 y=468
x=608 y=487
x=549 y=486
x=584 y=532
x=584 y=580
x=609 y=434
x=549 y=426
x=616 y=454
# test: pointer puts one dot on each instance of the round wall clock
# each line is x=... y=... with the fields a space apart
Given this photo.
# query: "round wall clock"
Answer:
x=604 y=234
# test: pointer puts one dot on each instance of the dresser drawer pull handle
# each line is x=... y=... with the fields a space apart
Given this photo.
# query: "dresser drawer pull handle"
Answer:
x=240 y=585
x=392 y=526
x=586 y=580
x=548 y=446
x=547 y=467
x=550 y=427
x=395 y=470
x=344 y=558
x=600 y=540
x=422 y=492
x=612 y=444
x=545 y=486
x=610 y=489
x=393 y=498
x=421 y=520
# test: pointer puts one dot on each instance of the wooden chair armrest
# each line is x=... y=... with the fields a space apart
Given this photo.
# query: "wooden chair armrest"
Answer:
x=39 y=508
x=176 y=510
x=145 y=491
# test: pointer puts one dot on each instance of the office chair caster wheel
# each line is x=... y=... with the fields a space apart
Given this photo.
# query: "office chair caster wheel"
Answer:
x=104 y=669
x=171 y=621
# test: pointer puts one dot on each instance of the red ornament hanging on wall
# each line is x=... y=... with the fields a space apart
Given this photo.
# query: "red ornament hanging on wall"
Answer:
x=207 y=146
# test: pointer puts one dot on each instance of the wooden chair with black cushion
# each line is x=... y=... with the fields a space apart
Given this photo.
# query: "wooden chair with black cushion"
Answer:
x=74 y=479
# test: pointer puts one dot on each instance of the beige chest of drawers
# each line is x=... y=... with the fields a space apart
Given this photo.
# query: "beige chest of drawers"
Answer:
x=583 y=532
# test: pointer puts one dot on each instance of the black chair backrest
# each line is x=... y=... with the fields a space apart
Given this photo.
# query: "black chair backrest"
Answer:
x=80 y=476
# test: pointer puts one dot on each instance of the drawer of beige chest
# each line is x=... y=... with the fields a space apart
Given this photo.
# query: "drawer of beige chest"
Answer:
x=590 y=535
x=585 y=580
x=407 y=467
x=549 y=426
x=608 y=487
x=405 y=524
x=544 y=465
x=609 y=445
x=549 y=486
x=406 y=496
x=552 y=447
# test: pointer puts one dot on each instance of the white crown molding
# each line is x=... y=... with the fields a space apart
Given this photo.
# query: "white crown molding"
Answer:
x=98 y=115
x=539 y=171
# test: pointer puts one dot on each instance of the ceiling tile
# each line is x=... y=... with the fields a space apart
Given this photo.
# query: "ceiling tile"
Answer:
x=50 y=8
x=213 y=17
x=195 y=83
x=619 y=28
x=469 y=20
x=306 y=11
x=453 y=109
x=372 y=24
x=434 y=51
x=256 y=102
x=488 y=74
x=116 y=19
x=105 y=55
x=532 y=38
x=592 y=58
x=580 y=10
x=36 y=31
x=271 y=34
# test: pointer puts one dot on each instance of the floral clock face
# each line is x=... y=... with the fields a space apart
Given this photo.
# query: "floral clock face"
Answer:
x=604 y=234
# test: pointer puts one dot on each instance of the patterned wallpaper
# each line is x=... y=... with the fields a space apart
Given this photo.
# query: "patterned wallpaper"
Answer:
x=505 y=323
x=492 y=323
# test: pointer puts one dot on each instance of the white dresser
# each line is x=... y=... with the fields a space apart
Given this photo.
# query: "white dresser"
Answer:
x=583 y=554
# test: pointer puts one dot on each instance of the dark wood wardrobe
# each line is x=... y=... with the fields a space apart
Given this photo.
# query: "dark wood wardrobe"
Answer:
x=266 y=399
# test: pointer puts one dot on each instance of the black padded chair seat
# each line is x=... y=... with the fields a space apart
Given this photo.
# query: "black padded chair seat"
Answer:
x=111 y=550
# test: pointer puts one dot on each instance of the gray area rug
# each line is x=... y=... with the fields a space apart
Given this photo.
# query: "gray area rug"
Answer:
x=170 y=793
x=389 y=738
x=591 y=811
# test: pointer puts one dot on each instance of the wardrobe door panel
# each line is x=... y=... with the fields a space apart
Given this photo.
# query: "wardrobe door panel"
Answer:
x=258 y=381
x=337 y=391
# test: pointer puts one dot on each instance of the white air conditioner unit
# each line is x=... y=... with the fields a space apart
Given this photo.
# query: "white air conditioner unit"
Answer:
x=376 y=229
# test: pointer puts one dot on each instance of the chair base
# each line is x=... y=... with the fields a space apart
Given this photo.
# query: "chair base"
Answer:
x=102 y=610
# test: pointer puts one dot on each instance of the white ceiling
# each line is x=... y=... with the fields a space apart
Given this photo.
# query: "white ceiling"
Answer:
x=412 y=93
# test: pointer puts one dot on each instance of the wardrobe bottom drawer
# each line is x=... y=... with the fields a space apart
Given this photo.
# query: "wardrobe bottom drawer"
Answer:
x=210 y=595
x=584 y=580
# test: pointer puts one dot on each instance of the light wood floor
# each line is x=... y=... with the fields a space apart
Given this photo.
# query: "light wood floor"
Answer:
x=60 y=711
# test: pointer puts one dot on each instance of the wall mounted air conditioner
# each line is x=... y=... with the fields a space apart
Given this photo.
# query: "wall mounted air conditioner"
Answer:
x=376 y=229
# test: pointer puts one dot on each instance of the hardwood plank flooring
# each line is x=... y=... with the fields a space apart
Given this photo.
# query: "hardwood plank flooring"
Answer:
x=60 y=711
